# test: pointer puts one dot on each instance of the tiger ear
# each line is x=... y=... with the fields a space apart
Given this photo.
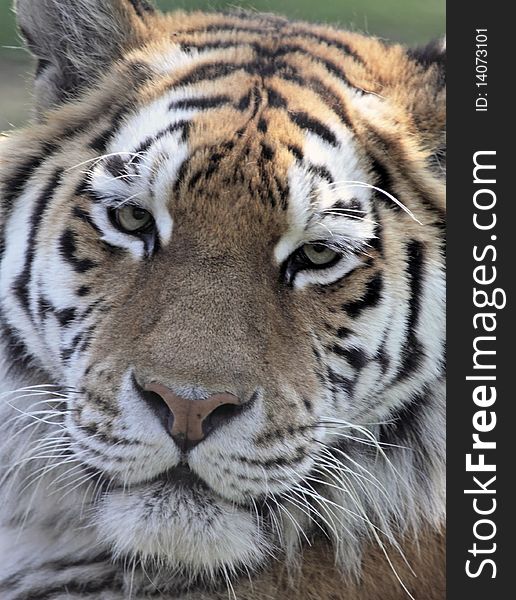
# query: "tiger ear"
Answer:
x=428 y=98
x=433 y=53
x=75 y=40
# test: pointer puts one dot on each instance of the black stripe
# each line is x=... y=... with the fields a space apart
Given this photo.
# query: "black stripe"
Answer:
x=181 y=172
x=267 y=152
x=200 y=103
x=212 y=45
x=275 y=99
x=413 y=347
x=84 y=290
x=87 y=337
x=204 y=173
x=115 y=165
x=21 y=285
x=22 y=173
x=325 y=94
x=376 y=242
x=384 y=181
x=279 y=461
x=383 y=358
x=44 y=307
x=371 y=297
x=138 y=73
x=68 y=250
x=262 y=125
x=332 y=100
x=343 y=332
x=342 y=46
x=215 y=157
x=282 y=191
x=81 y=214
x=223 y=27
x=214 y=70
x=101 y=140
x=66 y=353
x=347 y=208
x=404 y=422
x=339 y=382
x=84 y=338
x=296 y=151
x=357 y=358
x=321 y=172
x=90 y=309
x=83 y=188
x=12 y=343
x=305 y=121
x=317 y=354
x=194 y=179
x=213 y=164
x=253 y=97
x=15 y=184
x=41 y=65
x=148 y=142
x=65 y=316
x=415 y=260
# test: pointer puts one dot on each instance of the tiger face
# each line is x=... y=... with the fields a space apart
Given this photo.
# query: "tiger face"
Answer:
x=223 y=246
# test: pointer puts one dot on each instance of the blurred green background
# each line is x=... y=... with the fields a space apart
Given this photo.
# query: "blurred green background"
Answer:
x=409 y=21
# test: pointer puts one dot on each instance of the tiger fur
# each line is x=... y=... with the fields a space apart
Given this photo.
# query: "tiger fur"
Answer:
x=247 y=142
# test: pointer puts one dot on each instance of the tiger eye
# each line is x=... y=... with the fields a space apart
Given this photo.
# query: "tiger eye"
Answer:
x=133 y=219
x=318 y=254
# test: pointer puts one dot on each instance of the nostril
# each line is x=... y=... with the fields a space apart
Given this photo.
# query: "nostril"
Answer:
x=159 y=407
x=221 y=415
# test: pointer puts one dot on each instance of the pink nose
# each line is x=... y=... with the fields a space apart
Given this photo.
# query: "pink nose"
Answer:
x=193 y=420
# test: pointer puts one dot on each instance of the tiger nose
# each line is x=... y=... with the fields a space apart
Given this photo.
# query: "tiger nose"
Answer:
x=190 y=421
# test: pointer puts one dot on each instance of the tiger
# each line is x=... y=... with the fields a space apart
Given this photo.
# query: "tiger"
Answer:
x=222 y=310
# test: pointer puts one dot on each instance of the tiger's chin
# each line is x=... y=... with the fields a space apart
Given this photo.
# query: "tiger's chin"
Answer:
x=184 y=527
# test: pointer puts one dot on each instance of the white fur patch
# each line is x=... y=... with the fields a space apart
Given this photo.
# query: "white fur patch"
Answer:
x=182 y=530
x=149 y=175
x=312 y=217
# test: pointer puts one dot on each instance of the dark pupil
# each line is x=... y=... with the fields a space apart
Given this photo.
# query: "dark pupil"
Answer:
x=139 y=214
x=318 y=248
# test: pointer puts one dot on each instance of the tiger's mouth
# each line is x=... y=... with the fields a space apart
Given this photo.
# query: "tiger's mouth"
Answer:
x=180 y=476
x=184 y=480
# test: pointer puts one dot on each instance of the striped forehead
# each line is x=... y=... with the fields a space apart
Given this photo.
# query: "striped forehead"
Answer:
x=146 y=153
x=330 y=198
x=326 y=180
x=145 y=156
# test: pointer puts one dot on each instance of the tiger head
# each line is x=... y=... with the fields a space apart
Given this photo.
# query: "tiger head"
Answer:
x=223 y=266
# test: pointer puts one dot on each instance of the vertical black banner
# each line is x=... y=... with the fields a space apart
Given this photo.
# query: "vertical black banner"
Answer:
x=481 y=246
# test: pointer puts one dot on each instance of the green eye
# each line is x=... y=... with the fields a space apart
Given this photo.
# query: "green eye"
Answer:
x=133 y=219
x=309 y=257
x=318 y=255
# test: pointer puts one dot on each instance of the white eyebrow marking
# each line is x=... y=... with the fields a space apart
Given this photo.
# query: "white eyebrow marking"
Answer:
x=312 y=197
